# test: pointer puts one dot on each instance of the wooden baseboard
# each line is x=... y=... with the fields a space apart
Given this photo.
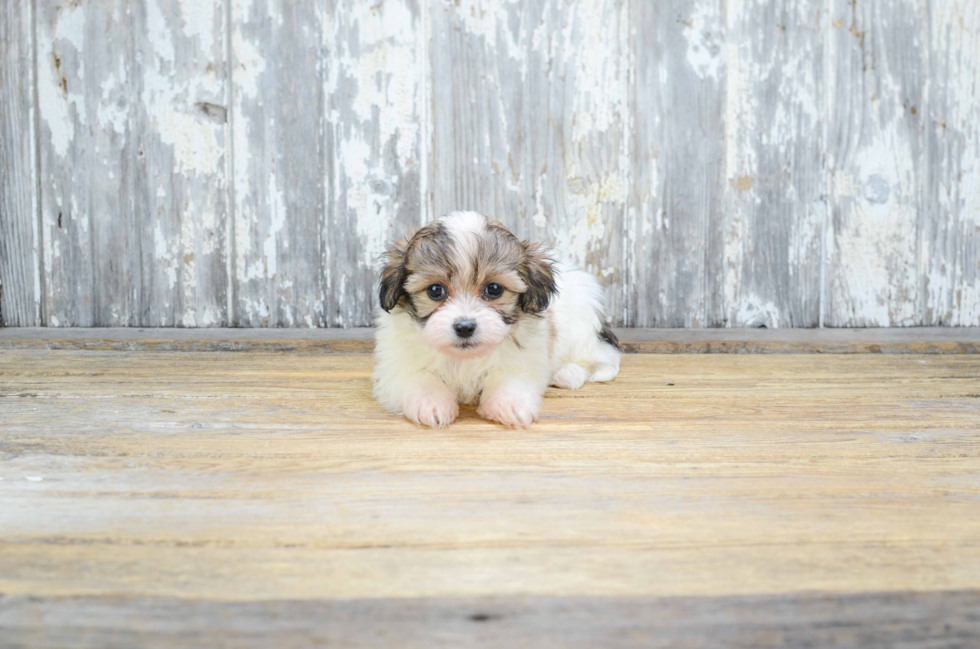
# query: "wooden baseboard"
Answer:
x=918 y=340
x=827 y=620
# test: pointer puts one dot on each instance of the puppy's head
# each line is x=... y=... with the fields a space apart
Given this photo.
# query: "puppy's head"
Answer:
x=466 y=281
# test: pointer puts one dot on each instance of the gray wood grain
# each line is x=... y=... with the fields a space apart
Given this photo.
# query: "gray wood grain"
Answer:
x=774 y=221
x=716 y=163
x=375 y=78
x=90 y=149
x=937 y=620
x=479 y=116
x=181 y=187
x=530 y=125
x=876 y=160
x=328 y=133
x=950 y=277
x=132 y=158
x=577 y=136
x=678 y=157
x=278 y=123
x=19 y=278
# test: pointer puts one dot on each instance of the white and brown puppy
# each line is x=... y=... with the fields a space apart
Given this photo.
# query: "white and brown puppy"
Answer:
x=471 y=314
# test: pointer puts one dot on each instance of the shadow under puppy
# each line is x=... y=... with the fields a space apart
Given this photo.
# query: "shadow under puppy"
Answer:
x=471 y=314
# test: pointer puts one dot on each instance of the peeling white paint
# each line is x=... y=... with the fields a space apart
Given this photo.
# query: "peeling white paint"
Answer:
x=277 y=221
x=384 y=74
x=164 y=256
x=705 y=42
x=756 y=312
x=588 y=203
x=249 y=65
x=197 y=21
x=877 y=281
x=170 y=99
x=598 y=101
x=563 y=68
x=53 y=98
x=113 y=112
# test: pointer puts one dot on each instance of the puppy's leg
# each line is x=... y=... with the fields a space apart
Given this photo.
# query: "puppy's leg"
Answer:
x=430 y=404
x=570 y=376
x=511 y=403
x=418 y=395
x=403 y=378
x=606 y=365
x=513 y=391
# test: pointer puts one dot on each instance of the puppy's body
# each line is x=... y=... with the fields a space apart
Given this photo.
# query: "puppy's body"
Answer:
x=472 y=346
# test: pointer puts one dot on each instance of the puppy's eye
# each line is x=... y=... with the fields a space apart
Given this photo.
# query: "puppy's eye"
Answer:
x=493 y=290
x=436 y=291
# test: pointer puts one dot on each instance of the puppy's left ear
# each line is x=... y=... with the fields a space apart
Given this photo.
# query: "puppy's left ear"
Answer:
x=538 y=272
x=391 y=285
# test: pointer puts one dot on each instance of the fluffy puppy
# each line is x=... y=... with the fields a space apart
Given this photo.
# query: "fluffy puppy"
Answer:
x=473 y=315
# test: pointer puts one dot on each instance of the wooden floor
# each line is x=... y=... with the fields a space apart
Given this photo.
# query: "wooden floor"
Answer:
x=200 y=499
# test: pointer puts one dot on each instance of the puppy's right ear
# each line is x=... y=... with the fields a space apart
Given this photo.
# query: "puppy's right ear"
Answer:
x=538 y=272
x=391 y=287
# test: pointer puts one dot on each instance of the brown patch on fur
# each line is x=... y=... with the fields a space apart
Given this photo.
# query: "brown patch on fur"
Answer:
x=393 y=273
x=538 y=273
x=427 y=249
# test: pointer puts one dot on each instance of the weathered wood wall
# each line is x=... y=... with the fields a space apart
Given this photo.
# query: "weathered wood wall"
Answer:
x=715 y=162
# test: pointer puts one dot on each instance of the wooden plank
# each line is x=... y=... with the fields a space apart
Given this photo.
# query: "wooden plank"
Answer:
x=935 y=340
x=133 y=198
x=19 y=279
x=87 y=94
x=478 y=90
x=829 y=621
x=278 y=124
x=540 y=140
x=244 y=477
x=181 y=186
x=876 y=158
x=774 y=122
x=577 y=136
x=950 y=290
x=375 y=122
x=678 y=165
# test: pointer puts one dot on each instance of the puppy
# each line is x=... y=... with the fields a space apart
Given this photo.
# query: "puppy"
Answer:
x=473 y=315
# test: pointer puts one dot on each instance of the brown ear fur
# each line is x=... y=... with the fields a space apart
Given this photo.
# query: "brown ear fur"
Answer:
x=390 y=286
x=537 y=271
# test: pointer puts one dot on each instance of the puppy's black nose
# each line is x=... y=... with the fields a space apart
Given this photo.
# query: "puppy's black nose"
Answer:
x=464 y=328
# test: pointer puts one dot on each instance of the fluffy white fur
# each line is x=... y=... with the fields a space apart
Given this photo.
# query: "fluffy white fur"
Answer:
x=423 y=374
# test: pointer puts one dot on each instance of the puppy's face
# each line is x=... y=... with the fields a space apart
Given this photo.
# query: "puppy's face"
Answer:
x=466 y=281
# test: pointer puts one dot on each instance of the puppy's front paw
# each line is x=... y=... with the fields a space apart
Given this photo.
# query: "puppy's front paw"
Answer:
x=510 y=408
x=435 y=409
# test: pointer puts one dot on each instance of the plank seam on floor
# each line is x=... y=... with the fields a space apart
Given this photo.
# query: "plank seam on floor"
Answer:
x=924 y=340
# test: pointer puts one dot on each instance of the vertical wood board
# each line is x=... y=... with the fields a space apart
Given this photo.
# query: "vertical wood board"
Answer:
x=678 y=164
x=530 y=123
x=181 y=185
x=20 y=289
x=876 y=162
x=774 y=119
x=950 y=278
x=278 y=108
x=374 y=122
x=87 y=101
